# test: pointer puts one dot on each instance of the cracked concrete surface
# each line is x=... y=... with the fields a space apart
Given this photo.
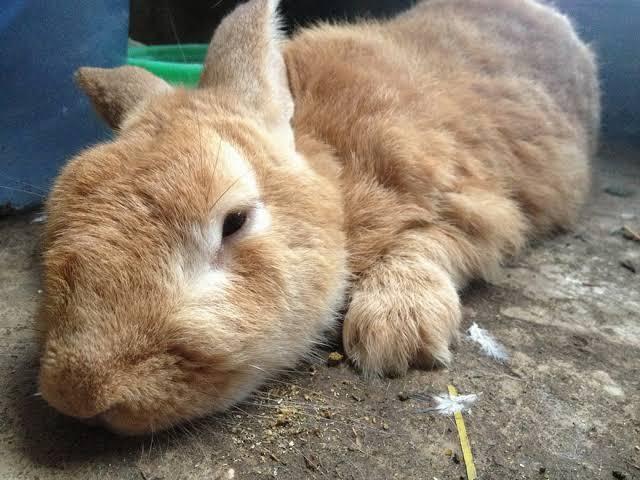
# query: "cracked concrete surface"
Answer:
x=565 y=406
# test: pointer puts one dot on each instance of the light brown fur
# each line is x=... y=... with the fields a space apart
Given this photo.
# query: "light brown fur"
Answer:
x=397 y=160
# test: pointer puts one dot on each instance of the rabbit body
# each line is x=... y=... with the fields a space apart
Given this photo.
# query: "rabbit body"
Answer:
x=463 y=129
x=374 y=167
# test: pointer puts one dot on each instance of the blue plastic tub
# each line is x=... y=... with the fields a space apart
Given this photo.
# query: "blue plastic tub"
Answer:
x=45 y=119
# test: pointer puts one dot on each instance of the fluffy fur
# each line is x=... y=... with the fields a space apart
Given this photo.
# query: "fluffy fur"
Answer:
x=382 y=166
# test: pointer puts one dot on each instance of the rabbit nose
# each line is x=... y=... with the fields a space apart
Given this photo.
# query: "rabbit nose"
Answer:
x=83 y=392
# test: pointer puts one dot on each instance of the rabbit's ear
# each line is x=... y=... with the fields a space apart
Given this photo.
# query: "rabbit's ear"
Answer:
x=114 y=92
x=245 y=59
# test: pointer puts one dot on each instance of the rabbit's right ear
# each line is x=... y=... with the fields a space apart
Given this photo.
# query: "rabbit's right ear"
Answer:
x=245 y=59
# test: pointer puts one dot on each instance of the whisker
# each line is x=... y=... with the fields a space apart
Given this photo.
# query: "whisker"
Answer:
x=14 y=189
x=215 y=166
x=283 y=382
x=290 y=370
x=184 y=59
x=151 y=443
x=23 y=183
x=226 y=190
x=279 y=402
x=175 y=31
x=331 y=420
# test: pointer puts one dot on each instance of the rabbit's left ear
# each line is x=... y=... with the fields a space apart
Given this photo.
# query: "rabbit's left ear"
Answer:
x=245 y=59
x=115 y=92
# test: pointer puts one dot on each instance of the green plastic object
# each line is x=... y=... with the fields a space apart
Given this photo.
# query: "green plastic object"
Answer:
x=177 y=64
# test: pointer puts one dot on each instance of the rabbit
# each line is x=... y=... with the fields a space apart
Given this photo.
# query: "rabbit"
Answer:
x=371 y=168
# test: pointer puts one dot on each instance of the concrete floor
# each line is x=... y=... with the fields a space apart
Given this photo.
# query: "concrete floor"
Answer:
x=566 y=406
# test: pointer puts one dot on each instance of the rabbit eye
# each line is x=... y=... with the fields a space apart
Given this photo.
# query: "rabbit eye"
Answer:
x=233 y=222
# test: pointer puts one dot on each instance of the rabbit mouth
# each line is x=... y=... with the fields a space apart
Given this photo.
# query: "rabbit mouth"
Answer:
x=123 y=421
x=154 y=416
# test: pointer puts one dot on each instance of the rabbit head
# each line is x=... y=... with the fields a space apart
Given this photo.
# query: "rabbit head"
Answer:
x=195 y=255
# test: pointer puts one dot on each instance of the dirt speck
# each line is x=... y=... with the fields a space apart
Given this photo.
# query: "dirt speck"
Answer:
x=629 y=264
x=619 y=191
x=335 y=359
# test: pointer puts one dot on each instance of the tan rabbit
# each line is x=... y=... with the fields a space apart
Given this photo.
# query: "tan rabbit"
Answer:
x=377 y=166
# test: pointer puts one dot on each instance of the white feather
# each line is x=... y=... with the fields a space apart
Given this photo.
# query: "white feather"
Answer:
x=39 y=219
x=445 y=405
x=488 y=344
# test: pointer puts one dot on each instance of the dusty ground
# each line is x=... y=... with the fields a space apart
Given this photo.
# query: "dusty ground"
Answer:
x=566 y=406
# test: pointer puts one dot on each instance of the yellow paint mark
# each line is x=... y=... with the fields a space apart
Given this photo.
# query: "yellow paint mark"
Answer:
x=464 y=440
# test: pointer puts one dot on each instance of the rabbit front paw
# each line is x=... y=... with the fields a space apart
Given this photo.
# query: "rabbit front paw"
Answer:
x=391 y=326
